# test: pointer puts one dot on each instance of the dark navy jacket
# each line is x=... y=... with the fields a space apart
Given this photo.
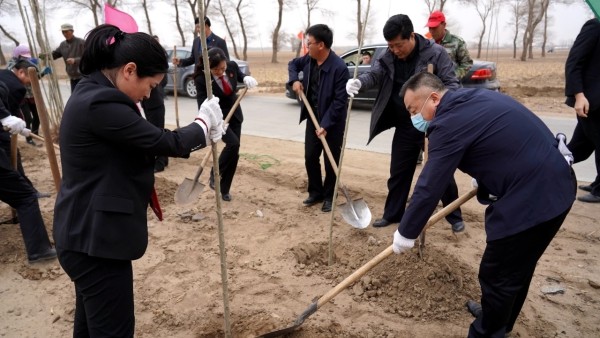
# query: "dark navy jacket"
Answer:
x=333 y=98
x=107 y=157
x=510 y=151
x=213 y=41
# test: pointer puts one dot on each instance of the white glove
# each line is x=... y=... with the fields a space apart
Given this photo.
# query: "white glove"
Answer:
x=250 y=82
x=216 y=132
x=401 y=243
x=562 y=147
x=210 y=115
x=12 y=124
x=353 y=86
x=474 y=183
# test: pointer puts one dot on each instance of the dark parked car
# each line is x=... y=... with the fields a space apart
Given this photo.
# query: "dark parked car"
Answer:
x=185 y=81
x=481 y=75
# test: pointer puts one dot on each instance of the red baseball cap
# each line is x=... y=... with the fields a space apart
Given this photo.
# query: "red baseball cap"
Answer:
x=435 y=19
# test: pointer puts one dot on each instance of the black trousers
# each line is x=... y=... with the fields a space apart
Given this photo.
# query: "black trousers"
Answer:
x=19 y=194
x=74 y=83
x=313 y=147
x=156 y=116
x=406 y=145
x=585 y=141
x=230 y=155
x=505 y=272
x=30 y=113
x=103 y=295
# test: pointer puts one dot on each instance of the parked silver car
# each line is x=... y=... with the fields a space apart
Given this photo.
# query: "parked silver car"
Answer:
x=185 y=80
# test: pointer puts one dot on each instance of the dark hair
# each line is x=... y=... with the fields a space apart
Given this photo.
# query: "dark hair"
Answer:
x=366 y=53
x=206 y=21
x=215 y=57
x=107 y=47
x=321 y=33
x=423 y=79
x=22 y=62
x=398 y=24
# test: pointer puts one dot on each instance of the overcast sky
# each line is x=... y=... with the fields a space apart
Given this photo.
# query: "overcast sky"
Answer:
x=566 y=22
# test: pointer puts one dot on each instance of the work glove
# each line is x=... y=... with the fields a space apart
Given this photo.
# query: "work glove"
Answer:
x=562 y=147
x=12 y=124
x=474 y=183
x=250 y=82
x=210 y=118
x=401 y=243
x=46 y=71
x=217 y=131
x=353 y=86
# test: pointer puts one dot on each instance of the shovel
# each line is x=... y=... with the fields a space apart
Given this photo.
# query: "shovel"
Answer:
x=189 y=190
x=356 y=275
x=354 y=212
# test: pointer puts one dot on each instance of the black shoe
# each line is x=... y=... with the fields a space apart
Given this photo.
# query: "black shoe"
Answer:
x=587 y=188
x=589 y=198
x=312 y=200
x=226 y=197
x=211 y=183
x=380 y=223
x=326 y=206
x=474 y=308
x=43 y=256
x=458 y=226
x=30 y=141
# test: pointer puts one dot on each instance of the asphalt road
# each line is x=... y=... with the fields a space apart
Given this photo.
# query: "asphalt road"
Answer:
x=277 y=117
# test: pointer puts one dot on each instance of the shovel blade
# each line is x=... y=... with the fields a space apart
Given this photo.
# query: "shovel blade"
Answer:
x=356 y=213
x=188 y=191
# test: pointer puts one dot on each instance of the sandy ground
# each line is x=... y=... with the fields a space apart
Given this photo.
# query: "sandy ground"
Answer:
x=278 y=251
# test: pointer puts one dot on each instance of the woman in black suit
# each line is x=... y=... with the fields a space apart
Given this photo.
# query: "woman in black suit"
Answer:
x=107 y=156
x=225 y=76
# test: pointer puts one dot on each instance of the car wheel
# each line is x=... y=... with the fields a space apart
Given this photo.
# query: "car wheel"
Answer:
x=190 y=87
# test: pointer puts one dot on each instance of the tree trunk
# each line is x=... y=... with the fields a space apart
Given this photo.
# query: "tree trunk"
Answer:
x=545 y=38
x=229 y=31
x=275 y=36
x=178 y=23
x=245 y=47
x=515 y=42
x=481 y=39
x=145 y=6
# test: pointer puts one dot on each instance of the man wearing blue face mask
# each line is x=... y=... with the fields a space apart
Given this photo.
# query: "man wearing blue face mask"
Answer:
x=408 y=53
x=513 y=155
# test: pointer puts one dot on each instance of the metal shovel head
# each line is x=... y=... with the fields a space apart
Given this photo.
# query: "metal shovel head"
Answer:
x=188 y=191
x=356 y=213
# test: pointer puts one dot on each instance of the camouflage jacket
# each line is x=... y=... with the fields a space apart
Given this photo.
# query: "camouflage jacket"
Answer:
x=457 y=50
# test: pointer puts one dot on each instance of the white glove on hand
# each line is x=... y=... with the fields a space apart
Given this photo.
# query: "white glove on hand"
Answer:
x=12 y=124
x=401 y=243
x=474 y=183
x=250 y=82
x=353 y=86
x=216 y=132
x=210 y=112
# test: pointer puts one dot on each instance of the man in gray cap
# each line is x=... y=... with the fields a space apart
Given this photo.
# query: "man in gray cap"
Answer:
x=70 y=50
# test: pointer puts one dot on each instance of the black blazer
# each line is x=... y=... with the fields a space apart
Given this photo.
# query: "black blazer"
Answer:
x=213 y=41
x=582 y=69
x=107 y=157
x=235 y=75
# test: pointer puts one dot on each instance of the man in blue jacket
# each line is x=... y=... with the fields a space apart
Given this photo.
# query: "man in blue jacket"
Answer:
x=212 y=40
x=408 y=54
x=324 y=79
x=513 y=156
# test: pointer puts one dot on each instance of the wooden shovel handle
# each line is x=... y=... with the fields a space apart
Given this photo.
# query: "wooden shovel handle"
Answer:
x=322 y=138
x=45 y=125
x=388 y=251
x=175 y=87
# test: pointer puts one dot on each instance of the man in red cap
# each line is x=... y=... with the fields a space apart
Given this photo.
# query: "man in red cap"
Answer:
x=454 y=45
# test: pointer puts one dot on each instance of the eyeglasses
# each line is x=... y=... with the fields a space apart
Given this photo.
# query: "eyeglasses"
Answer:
x=308 y=43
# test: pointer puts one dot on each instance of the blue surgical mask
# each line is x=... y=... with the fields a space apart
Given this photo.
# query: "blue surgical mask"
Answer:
x=417 y=119
x=419 y=123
